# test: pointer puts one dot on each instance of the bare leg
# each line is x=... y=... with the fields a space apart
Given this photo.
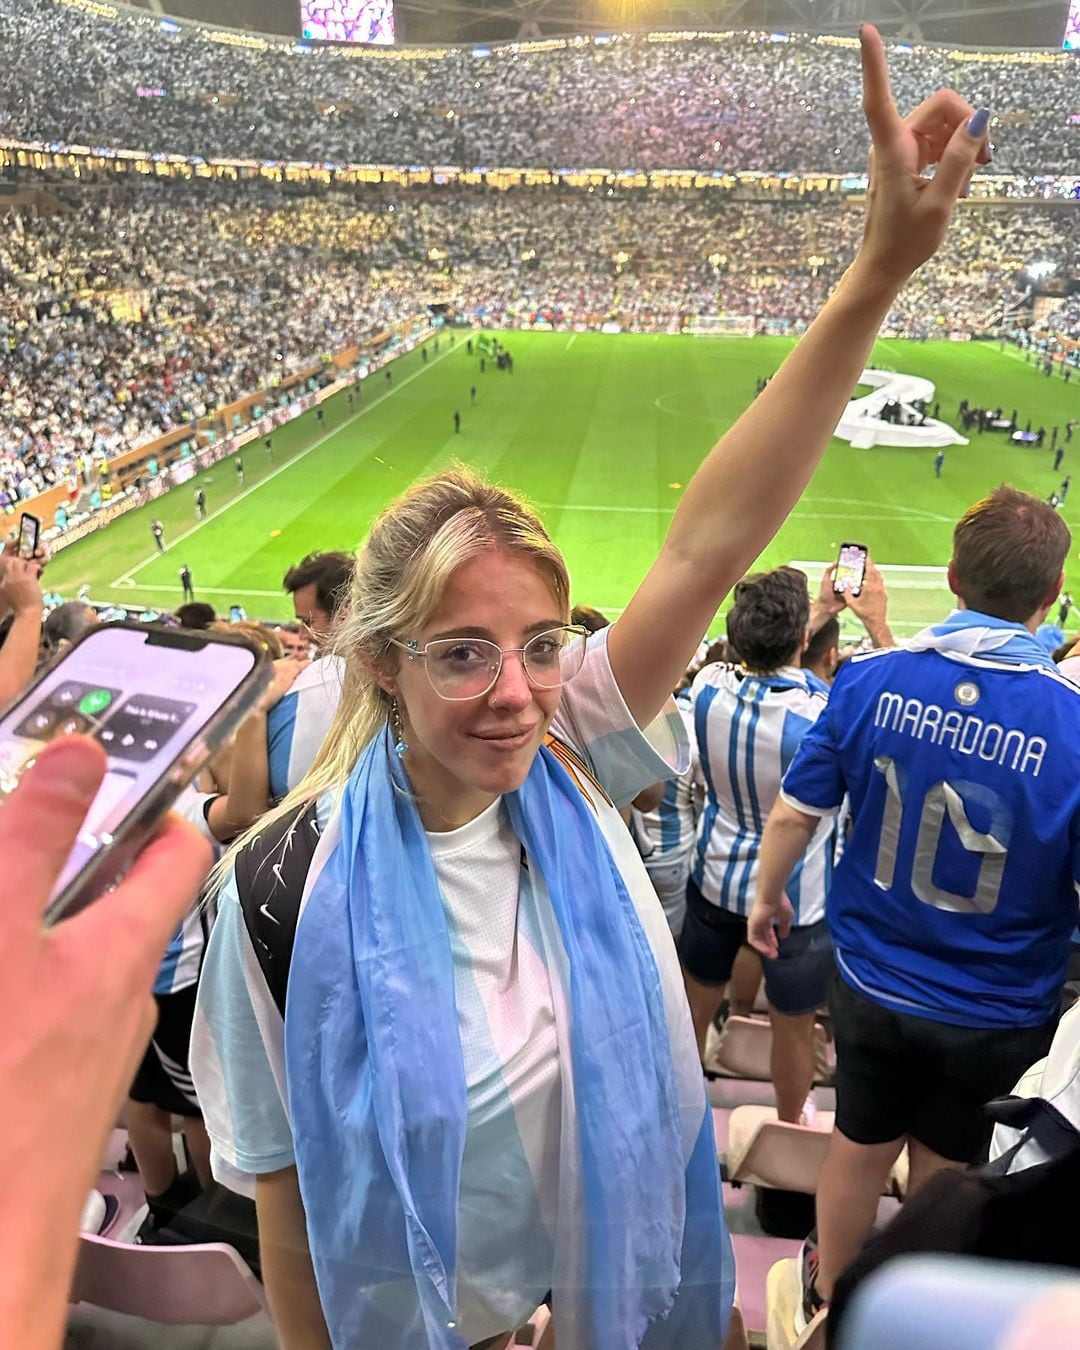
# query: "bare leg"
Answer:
x=150 y=1131
x=198 y=1143
x=851 y=1182
x=745 y=981
x=924 y=1163
x=704 y=1000
x=792 y=1062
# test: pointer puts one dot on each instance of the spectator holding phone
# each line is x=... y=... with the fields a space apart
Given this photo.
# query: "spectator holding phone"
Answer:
x=952 y=908
x=77 y=1012
x=22 y=600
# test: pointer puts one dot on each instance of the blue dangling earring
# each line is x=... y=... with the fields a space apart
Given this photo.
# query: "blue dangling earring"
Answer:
x=398 y=728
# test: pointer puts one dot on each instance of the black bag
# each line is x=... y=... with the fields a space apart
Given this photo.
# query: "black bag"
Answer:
x=270 y=875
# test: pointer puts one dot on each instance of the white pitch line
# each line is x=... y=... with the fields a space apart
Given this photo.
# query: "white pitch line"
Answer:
x=219 y=590
x=123 y=581
x=572 y=340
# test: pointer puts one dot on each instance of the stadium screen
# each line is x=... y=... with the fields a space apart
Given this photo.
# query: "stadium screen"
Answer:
x=347 y=20
x=1071 y=40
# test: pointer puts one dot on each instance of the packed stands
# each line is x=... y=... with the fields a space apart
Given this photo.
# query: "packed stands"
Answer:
x=728 y=102
x=128 y=311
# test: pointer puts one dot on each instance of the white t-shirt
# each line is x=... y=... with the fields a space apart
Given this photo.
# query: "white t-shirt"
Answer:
x=512 y=1054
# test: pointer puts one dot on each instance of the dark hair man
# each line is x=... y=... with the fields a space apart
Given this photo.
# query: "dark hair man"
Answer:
x=952 y=907
x=319 y=585
x=748 y=720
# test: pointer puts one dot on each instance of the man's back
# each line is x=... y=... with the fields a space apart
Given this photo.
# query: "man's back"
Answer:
x=747 y=728
x=956 y=894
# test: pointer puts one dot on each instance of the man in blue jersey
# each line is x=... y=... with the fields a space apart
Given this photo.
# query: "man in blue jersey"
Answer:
x=952 y=907
x=296 y=726
x=748 y=722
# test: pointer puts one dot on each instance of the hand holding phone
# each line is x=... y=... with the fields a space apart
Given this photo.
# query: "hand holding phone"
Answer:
x=20 y=586
x=77 y=1007
x=850 y=569
x=159 y=702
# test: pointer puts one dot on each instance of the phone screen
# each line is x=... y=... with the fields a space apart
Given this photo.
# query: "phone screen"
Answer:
x=850 y=569
x=29 y=529
x=143 y=703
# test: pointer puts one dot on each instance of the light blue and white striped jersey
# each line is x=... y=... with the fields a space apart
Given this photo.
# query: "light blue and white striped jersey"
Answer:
x=747 y=729
x=297 y=724
x=183 y=959
x=672 y=827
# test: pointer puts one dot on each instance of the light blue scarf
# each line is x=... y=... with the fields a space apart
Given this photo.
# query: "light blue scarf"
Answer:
x=377 y=1092
x=968 y=633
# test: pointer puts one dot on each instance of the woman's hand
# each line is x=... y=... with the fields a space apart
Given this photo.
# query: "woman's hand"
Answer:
x=907 y=214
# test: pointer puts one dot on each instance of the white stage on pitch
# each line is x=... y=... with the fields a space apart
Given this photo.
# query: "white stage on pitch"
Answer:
x=861 y=423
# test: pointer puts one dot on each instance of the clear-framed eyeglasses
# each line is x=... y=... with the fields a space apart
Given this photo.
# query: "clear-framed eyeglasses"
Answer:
x=467 y=667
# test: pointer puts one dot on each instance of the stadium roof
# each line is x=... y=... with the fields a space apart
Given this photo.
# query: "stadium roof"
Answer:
x=998 y=23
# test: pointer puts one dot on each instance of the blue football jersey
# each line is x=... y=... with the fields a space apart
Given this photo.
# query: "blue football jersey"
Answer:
x=956 y=895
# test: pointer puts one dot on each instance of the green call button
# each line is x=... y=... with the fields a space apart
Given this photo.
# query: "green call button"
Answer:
x=96 y=701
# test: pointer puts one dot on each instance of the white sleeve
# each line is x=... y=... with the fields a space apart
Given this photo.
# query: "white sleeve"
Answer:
x=594 y=719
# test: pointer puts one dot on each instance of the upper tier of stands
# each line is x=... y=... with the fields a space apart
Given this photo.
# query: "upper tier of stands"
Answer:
x=716 y=102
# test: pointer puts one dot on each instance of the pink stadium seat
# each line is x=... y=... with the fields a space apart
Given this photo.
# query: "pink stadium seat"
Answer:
x=200 y=1285
x=765 y=1151
x=744 y=1049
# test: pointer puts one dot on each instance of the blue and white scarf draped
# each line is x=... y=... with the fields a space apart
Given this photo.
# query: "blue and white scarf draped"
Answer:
x=967 y=633
x=377 y=1092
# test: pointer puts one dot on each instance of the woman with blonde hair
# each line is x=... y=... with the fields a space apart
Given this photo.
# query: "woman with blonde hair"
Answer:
x=484 y=1091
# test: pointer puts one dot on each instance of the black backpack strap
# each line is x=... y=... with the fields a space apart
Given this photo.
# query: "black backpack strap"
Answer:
x=271 y=872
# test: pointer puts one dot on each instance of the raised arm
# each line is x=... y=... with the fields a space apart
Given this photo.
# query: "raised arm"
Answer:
x=744 y=490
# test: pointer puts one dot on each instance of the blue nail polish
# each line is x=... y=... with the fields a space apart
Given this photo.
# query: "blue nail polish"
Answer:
x=978 y=122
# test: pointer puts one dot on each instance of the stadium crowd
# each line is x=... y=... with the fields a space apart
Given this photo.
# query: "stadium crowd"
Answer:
x=127 y=311
x=745 y=103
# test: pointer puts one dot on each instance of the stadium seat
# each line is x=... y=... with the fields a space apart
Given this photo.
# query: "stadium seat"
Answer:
x=200 y=1285
x=764 y=1151
x=782 y=1296
x=744 y=1050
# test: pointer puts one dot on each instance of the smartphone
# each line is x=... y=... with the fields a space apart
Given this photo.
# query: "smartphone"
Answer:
x=237 y=614
x=29 y=532
x=850 y=569
x=159 y=701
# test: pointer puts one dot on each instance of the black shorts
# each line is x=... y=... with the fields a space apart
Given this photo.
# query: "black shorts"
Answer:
x=163 y=1078
x=796 y=982
x=898 y=1075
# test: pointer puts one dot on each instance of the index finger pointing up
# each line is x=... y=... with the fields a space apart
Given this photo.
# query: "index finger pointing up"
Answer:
x=878 y=104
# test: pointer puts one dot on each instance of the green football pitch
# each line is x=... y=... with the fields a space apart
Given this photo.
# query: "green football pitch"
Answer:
x=602 y=433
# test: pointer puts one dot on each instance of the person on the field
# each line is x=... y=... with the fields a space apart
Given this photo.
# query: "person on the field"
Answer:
x=1063 y=491
x=268 y=443
x=200 y=503
x=1059 y=454
x=428 y=1129
x=158 y=531
x=457 y=422
x=1065 y=605
x=186 y=583
x=952 y=909
x=472 y=393
x=239 y=463
x=939 y=463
